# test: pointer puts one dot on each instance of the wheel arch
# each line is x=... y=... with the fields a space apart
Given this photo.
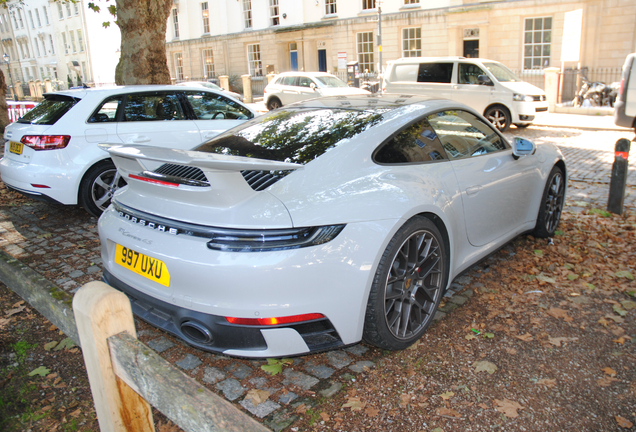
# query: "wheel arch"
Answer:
x=441 y=226
x=85 y=173
x=497 y=104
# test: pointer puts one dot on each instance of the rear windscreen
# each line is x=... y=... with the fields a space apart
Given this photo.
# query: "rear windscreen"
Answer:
x=293 y=135
x=49 y=110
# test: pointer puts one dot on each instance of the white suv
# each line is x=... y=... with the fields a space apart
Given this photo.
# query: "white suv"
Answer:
x=52 y=153
x=487 y=86
x=289 y=87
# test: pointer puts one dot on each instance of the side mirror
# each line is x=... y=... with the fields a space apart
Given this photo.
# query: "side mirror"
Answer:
x=484 y=80
x=522 y=147
x=312 y=86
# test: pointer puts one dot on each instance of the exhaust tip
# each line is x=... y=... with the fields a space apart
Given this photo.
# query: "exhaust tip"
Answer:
x=196 y=332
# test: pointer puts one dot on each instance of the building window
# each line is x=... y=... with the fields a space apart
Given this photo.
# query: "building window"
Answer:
x=73 y=41
x=537 y=43
x=365 y=52
x=52 y=44
x=178 y=66
x=37 y=17
x=412 y=42
x=87 y=74
x=31 y=20
x=15 y=20
x=64 y=42
x=205 y=14
x=46 y=15
x=175 y=22
x=42 y=73
x=37 y=46
x=208 y=63
x=368 y=4
x=273 y=12
x=60 y=12
x=330 y=7
x=68 y=9
x=80 y=41
x=76 y=8
x=410 y=2
x=254 y=60
x=20 y=18
x=247 y=13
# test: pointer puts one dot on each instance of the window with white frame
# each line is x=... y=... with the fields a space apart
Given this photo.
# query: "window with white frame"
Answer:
x=330 y=7
x=175 y=22
x=368 y=4
x=178 y=66
x=42 y=73
x=37 y=18
x=2 y=23
x=365 y=51
x=537 y=43
x=274 y=12
x=37 y=46
x=247 y=13
x=46 y=15
x=52 y=44
x=20 y=18
x=68 y=9
x=254 y=59
x=26 y=49
x=80 y=41
x=205 y=15
x=410 y=2
x=31 y=20
x=60 y=12
x=15 y=20
x=72 y=36
x=412 y=42
x=64 y=42
x=76 y=8
x=208 y=63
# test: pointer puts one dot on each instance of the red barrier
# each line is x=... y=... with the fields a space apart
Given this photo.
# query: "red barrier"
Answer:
x=18 y=109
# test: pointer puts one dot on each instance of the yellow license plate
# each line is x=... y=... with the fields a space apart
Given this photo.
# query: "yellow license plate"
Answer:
x=148 y=267
x=15 y=147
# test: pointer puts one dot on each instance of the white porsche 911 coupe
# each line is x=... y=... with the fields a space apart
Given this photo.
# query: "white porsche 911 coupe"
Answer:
x=321 y=224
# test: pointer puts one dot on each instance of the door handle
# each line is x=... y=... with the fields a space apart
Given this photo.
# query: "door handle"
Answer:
x=473 y=190
x=141 y=139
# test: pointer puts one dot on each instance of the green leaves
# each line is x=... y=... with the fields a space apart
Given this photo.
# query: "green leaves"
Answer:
x=275 y=366
x=42 y=371
x=625 y=274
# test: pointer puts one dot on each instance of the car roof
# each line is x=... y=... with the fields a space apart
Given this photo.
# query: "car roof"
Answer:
x=448 y=58
x=115 y=90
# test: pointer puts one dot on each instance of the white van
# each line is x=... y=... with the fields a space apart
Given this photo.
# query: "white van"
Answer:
x=625 y=106
x=487 y=86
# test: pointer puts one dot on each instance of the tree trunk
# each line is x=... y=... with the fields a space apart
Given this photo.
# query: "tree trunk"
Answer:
x=143 y=42
x=4 y=113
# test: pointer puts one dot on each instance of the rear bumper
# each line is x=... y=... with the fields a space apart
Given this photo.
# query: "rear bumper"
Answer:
x=214 y=333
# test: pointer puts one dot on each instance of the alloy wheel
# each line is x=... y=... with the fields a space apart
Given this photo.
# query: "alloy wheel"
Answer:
x=554 y=202
x=104 y=187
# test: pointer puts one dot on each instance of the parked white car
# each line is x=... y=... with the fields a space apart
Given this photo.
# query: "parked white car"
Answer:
x=486 y=86
x=321 y=223
x=211 y=86
x=290 y=87
x=52 y=153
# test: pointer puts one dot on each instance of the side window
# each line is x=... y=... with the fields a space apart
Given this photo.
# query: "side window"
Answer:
x=289 y=80
x=464 y=135
x=435 y=72
x=405 y=72
x=304 y=82
x=152 y=107
x=107 y=112
x=416 y=143
x=468 y=73
x=208 y=106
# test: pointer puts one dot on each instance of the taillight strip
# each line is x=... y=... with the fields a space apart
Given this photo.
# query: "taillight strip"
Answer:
x=150 y=180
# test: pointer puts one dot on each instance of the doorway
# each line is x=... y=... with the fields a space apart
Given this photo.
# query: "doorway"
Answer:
x=322 y=60
x=293 y=56
x=471 y=48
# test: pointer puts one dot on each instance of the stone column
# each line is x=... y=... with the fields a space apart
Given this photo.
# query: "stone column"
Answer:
x=551 y=76
x=247 y=88
x=224 y=82
x=17 y=86
x=48 y=87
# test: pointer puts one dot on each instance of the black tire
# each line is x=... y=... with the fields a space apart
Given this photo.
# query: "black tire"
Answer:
x=98 y=186
x=273 y=103
x=499 y=116
x=551 y=205
x=408 y=286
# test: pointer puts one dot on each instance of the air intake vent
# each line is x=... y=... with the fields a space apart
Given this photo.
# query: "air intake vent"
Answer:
x=184 y=172
x=258 y=180
x=261 y=180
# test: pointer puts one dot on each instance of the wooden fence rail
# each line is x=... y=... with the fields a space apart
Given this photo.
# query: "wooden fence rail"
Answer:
x=127 y=377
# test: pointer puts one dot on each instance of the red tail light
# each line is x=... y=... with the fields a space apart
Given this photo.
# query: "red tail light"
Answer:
x=151 y=180
x=275 y=321
x=45 y=142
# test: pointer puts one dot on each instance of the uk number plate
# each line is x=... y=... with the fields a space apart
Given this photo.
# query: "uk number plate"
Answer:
x=148 y=267
x=15 y=147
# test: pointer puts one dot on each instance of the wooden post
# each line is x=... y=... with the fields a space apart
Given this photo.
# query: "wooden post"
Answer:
x=101 y=312
x=618 y=181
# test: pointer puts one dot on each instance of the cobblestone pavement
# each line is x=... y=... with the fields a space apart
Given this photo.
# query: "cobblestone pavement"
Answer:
x=61 y=244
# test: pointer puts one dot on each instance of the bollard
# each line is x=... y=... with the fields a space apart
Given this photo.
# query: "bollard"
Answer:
x=618 y=181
